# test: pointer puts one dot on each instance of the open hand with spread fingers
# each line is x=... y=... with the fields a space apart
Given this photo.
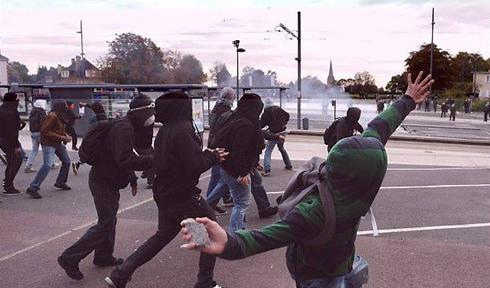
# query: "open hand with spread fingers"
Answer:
x=419 y=90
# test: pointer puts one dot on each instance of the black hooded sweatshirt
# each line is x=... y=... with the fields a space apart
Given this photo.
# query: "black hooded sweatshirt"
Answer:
x=343 y=127
x=245 y=140
x=178 y=157
x=10 y=123
x=116 y=168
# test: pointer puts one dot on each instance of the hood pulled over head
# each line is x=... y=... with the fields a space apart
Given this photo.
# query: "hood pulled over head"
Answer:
x=141 y=111
x=250 y=106
x=356 y=167
x=173 y=106
x=353 y=114
x=59 y=106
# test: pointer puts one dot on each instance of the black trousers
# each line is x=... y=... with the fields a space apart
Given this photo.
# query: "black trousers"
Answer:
x=100 y=237
x=13 y=163
x=169 y=218
x=74 y=137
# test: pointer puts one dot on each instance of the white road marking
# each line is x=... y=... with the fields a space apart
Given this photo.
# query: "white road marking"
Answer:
x=83 y=226
x=426 y=228
x=438 y=169
x=414 y=187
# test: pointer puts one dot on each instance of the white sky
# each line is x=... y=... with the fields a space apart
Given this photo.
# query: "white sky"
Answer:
x=357 y=35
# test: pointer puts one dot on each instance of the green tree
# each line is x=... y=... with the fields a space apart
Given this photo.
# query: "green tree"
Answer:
x=397 y=84
x=134 y=59
x=443 y=73
x=17 y=73
x=189 y=71
x=464 y=63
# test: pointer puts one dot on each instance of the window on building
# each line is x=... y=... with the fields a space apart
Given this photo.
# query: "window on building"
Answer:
x=65 y=74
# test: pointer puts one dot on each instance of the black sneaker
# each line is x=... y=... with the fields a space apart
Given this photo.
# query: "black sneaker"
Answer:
x=71 y=270
x=115 y=281
x=108 y=263
x=288 y=167
x=228 y=202
x=33 y=193
x=62 y=186
x=11 y=191
x=74 y=167
x=215 y=285
x=268 y=212
x=219 y=211
x=74 y=148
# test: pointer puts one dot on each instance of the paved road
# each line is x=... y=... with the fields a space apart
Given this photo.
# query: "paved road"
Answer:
x=434 y=223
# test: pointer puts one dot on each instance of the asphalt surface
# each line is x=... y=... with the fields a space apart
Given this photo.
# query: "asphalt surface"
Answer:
x=34 y=232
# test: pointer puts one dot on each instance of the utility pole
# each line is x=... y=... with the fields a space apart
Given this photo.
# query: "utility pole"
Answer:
x=432 y=47
x=282 y=27
x=82 y=54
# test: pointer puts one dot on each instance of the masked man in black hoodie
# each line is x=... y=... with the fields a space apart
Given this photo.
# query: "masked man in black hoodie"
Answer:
x=10 y=124
x=108 y=175
x=178 y=163
x=241 y=135
x=343 y=127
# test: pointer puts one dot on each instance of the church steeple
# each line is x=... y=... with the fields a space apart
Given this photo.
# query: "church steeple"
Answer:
x=331 y=80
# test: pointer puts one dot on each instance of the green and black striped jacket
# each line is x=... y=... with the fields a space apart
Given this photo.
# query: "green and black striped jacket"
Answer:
x=356 y=167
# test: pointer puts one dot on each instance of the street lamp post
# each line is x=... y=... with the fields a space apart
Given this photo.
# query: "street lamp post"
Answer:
x=239 y=50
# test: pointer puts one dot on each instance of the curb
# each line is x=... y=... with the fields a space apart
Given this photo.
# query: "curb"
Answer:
x=425 y=139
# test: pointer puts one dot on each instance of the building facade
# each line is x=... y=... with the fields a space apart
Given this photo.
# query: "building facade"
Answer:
x=81 y=71
x=3 y=73
x=481 y=84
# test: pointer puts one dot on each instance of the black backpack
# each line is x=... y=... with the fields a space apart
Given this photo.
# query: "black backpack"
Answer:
x=329 y=137
x=222 y=130
x=93 y=143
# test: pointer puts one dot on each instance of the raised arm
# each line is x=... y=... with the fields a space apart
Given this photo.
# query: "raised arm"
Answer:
x=386 y=123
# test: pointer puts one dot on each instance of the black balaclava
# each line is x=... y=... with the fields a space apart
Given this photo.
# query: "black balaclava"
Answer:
x=10 y=100
x=250 y=106
x=172 y=107
x=59 y=106
x=141 y=111
x=353 y=114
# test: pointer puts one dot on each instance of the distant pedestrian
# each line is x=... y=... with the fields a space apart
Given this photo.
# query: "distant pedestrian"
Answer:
x=53 y=140
x=275 y=119
x=486 y=111
x=444 y=108
x=380 y=105
x=427 y=105
x=36 y=118
x=112 y=170
x=69 y=118
x=452 y=110
x=466 y=105
x=343 y=127
x=434 y=104
x=10 y=124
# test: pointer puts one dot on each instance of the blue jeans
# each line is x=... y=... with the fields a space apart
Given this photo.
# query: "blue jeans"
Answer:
x=315 y=283
x=258 y=191
x=36 y=138
x=268 y=152
x=212 y=198
x=48 y=160
x=241 y=199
